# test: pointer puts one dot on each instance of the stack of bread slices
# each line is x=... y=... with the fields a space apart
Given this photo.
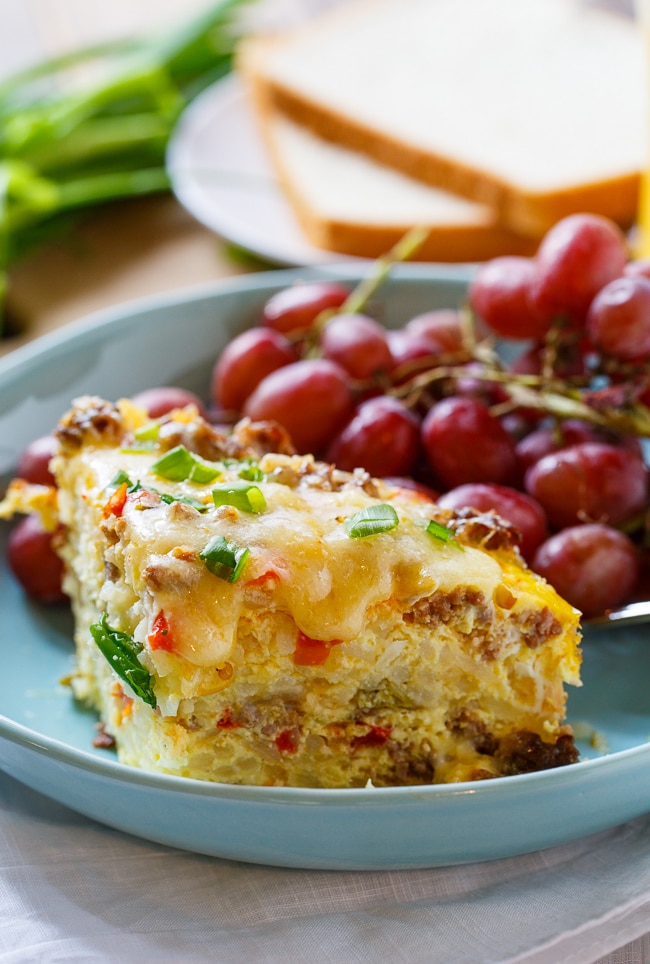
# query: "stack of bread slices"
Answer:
x=484 y=121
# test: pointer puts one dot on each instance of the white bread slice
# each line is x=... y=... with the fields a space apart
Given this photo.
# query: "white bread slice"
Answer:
x=346 y=202
x=537 y=108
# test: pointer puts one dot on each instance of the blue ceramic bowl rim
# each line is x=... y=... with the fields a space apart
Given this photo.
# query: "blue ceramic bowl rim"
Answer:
x=92 y=328
x=29 y=739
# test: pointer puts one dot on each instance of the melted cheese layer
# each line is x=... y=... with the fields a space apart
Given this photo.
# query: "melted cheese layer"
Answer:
x=326 y=580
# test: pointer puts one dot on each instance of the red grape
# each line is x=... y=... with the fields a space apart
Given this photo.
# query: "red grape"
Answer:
x=442 y=329
x=594 y=567
x=499 y=294
x=465 y=443
x=520 y=423
x=576 y=258
x=589 y=482
x=548 y=439
x=297 y=308
x=642 y=586
x=618 y=321
x=411 y=354
x=160 y=401
x=34 y=463
x=34 y=562
x=244 y=362
x=382 y=437
x=358 y=344
x=470 y=383
x=310 y=398
x=637 y=269
x=516 y=507
x=411 y=488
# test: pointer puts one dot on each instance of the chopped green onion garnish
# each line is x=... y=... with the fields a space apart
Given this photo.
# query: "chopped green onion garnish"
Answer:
x=185 y=499
x=138 y=448
x=242 y=495
x=252 y=472
x=121 y=651
x=438 y=531
x=247 y=469
x=371 y=521
x=179 y=465
x=203 y=472
x=148 y=432
x=174 y=465
x=145 y=439
x=119 y=479
x=224 y=559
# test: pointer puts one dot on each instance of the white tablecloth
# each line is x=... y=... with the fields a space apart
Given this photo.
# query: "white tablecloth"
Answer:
x=73 y=890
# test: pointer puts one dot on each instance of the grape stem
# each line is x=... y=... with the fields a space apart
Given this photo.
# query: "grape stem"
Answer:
x=536 y=392
x=405 y=248
x=359 y=297
x=635 y=420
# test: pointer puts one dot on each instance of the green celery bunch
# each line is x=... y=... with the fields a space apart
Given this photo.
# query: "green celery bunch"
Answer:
x=64 y=148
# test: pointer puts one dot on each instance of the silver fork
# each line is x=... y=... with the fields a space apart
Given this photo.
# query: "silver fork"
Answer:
x=637 y=612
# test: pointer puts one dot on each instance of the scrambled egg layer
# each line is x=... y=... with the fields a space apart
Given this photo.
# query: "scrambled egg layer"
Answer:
x=416 y=654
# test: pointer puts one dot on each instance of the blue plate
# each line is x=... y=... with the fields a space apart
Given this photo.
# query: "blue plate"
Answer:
x=46 y=740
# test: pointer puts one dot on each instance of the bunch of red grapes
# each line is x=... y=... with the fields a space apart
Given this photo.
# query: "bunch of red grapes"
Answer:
x=551 y=441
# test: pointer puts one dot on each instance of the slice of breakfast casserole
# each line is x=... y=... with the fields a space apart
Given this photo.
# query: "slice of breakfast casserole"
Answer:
x=247 y=615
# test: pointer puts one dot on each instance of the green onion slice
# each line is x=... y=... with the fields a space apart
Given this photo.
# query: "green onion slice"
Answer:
x=147 y=432
x=438 y=531
x=138 y=449
x=246 y=468
x=185 y=499
x=121 y=651
x=252 y=472
x=224 y=559
x=144 y=439
x=243 y=495
x=371 y=521
x=179 y=465
x=119 y=479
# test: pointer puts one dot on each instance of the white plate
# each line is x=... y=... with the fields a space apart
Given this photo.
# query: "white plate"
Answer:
x=46 y=740
x=220 y=172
